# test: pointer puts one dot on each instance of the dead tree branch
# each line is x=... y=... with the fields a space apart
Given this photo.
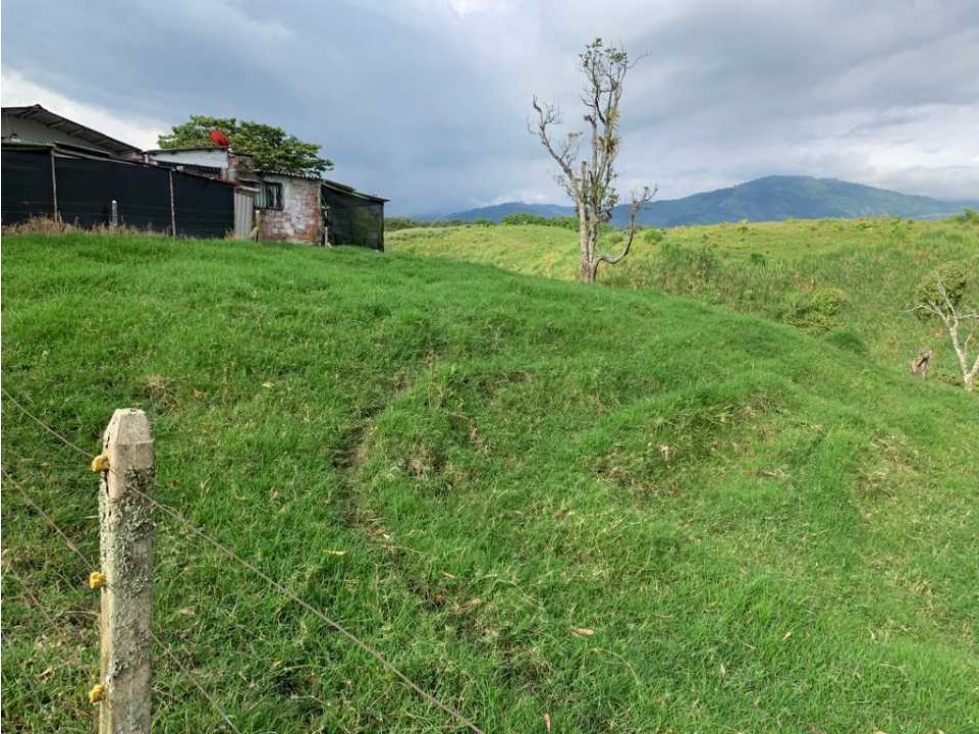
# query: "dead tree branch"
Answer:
x=936 y=301
x=590 y=181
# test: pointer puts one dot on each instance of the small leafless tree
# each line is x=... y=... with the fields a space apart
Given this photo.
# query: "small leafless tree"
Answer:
x=941 y=295
x=590 y=182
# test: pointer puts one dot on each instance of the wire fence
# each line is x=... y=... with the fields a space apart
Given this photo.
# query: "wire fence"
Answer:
x=29 y=593
x=227 y=551
x=91 y=563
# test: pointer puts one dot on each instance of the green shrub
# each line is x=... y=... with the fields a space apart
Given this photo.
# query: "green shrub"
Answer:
x=952 y=276
x=706 y=262
x=756 y=258
x=815 y=310
x=521 y=218
x=968 y=216
x=652 y=236
x=615 y=238
x=689 y=268
x=393 y=224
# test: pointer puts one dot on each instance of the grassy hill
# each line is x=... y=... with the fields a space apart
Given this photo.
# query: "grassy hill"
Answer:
x=778 y=271
x=775 y=198
x=767 y=199
x=623 y=510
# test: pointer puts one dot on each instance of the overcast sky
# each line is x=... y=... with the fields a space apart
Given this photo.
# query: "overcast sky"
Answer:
x=425 y=101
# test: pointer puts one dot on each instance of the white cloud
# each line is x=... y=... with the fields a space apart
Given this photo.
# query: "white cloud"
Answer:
x=923 y=149
x=17 y=90
x=468 y=7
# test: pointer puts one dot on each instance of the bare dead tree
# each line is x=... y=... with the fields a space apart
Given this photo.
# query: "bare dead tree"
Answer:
x=590 y=182
x=936 y=297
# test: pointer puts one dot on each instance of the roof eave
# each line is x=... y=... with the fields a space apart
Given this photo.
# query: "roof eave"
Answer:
x=53 y=120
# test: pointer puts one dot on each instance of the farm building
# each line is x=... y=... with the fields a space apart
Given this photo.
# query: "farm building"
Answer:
x=54 y=167
x=352 y=216
x=215 y=191
x=217 y=163
x=35 y=124
x=286 y=206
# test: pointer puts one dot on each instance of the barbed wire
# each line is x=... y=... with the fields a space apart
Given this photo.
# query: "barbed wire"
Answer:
x=196 y=683
x=42 y=424
x=50 y=520
x=230 y=553
x=89 y=564
x=25 y=587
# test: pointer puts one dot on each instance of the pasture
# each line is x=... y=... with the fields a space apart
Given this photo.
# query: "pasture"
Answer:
x=846 y=282
x=551 y=506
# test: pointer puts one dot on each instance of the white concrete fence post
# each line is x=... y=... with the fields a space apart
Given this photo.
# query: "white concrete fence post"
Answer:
x=126 y=466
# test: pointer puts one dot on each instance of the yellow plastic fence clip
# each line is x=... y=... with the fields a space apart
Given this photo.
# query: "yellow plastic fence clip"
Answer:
x=96 y=579
x=97 y=693
x=100 y=463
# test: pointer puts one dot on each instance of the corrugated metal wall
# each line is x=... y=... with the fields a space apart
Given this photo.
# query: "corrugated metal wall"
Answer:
x=244 y=214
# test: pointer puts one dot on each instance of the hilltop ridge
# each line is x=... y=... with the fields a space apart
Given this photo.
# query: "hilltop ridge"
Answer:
x=769 y=198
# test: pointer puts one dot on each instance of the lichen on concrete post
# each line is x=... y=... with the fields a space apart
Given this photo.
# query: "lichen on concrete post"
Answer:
x=126 y=544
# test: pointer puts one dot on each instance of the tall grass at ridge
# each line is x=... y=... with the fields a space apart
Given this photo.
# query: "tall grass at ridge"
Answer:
x=849 y=282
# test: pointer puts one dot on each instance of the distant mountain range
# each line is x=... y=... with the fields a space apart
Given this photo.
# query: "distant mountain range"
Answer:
x=767 y=199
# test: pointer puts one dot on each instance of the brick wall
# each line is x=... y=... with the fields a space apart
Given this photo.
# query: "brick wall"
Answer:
x=299 y=219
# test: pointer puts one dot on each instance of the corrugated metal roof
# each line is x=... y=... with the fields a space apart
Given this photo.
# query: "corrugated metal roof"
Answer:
x=55 y=121
x=214 y=171
x=350 y=190
x=287 y=174
x=188 y=148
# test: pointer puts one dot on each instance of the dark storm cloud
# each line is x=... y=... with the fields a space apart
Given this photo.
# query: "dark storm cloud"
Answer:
x=756 y=61
x=425 y=101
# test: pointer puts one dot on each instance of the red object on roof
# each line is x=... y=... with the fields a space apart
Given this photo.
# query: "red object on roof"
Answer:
x=220 y=139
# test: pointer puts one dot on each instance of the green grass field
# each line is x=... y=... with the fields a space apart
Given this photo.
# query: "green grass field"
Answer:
x=623 y=510
x=773 y=270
